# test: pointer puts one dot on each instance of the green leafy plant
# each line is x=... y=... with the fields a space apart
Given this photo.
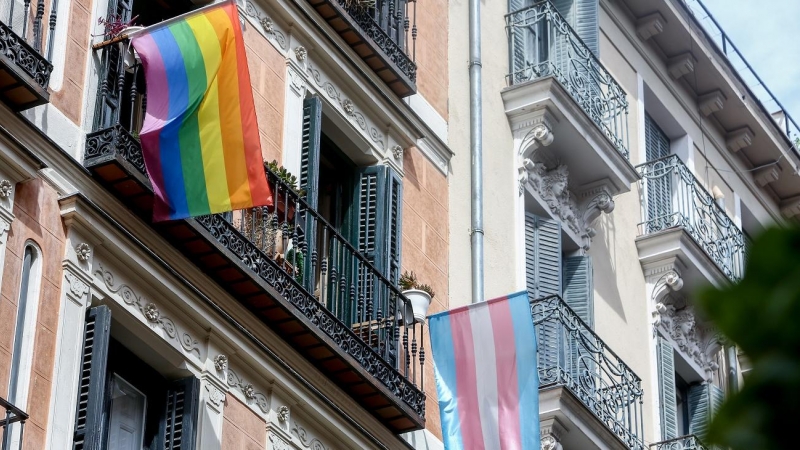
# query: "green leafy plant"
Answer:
x=285 y=176
x=297 y=260
x=408 y=281
x=760 y=315
x=359 y=4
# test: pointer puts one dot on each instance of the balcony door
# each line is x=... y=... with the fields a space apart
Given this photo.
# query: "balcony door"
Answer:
x=659 y=181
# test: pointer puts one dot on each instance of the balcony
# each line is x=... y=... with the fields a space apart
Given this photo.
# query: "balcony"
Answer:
x=689 y=442
x=583 y=384
x=286 y=264
x=684 y=222
x=556 y=80
x=12 y=415
x=382 y=32
x=26 y=48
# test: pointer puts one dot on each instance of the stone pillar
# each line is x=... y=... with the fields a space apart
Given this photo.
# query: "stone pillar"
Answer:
x=213 y=391
x=551 y=430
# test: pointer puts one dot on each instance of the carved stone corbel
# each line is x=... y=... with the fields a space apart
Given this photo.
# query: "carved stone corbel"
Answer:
x=551 y=432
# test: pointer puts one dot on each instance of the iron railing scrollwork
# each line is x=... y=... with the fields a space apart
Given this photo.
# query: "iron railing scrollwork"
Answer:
x=689 y=442
x=571 y=355
x=12 y=415
x=541 y=44
x=326 y=278
x=392 y=26
x=27 y=37
x=673 y=197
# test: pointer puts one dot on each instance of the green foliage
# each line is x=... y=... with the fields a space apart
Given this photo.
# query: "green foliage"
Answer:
x=285 y=176
x=409 y=281
x=761 y=315
x=296 y=259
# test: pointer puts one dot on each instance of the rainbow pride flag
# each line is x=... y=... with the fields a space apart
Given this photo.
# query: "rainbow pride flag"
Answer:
x=200 y=136
x=486 y=377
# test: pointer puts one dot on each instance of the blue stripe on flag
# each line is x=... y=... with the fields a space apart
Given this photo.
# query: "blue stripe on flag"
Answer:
x=445 y=370
x=527 y=374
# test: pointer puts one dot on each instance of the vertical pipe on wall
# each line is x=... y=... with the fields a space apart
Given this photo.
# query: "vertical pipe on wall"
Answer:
x=476 y=149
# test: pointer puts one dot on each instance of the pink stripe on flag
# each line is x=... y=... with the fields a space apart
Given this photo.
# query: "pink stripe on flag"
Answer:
x=466 y=381
x=507 y=380
x=156 y=115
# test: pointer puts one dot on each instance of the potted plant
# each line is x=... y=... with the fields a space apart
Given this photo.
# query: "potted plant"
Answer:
x=284 y=205
x=419 y=295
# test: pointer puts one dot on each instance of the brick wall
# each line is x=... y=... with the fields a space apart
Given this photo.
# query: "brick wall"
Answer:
x=432 y=58
x=38 y=219
x=267 y=75
x=242 y=429
x=425 y=248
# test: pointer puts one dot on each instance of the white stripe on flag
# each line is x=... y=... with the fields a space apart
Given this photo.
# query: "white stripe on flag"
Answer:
x=486 y=373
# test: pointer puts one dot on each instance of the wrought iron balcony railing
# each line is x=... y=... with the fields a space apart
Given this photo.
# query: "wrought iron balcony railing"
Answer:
x=690 y=442
x=12 y=415
x=289 y=247
x=674 y=198
x=571 y=355
x=27 y=37
x=390 y=26
x=542 y=44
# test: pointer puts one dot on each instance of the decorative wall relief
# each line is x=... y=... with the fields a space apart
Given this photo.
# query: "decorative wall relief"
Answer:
x=267 y=24
x=306 y=439
x=248 y=390
x=83 y=252
x=5 y=188
x=278 y=443
x=76 y=286
x=149 y=311
x=215 y=395
x=698 y=342
x=347 y=106
x=220 y=362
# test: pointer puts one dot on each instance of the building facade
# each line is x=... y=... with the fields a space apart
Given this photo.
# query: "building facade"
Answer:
x=626 y=164
x=279 y=327
x=629 y=155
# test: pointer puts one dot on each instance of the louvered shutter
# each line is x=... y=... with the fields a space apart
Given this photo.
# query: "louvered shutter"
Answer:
x=659 y=185
x=309 y=182
x=394 y=206
x=92 y=398
x=178 y=426
x=586 y=23
x=371 y=223
x=543 y=256
x=523 y=43
x=667 y=390
x=704 y=401
x=578 y=287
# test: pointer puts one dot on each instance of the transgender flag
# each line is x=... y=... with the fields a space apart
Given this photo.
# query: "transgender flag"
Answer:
x=486 y=379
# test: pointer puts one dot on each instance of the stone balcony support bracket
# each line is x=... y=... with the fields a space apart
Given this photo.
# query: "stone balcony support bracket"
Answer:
x=711 y=102
x=650 y=25
x=767 y=174
x=681 y=65
x=551 y=430
x=739 y=139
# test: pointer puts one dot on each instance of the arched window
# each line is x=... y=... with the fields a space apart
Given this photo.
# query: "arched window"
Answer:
x=25 y=327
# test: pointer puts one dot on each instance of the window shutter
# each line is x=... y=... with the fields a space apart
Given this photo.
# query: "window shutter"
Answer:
x=371 y=215
x=659 y=186
x=578 y=287
x=543 y=256
x=178 y=425
x=309 y=181
x=704 y=401
x=394 y=245
x=586 y=23
x=666 y=388
x=92 y=398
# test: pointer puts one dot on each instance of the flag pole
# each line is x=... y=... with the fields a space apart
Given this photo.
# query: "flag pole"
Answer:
x=131 y=34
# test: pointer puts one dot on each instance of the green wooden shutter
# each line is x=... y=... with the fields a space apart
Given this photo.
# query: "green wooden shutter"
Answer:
x=578 y=287
x=704 y=401
x=394 y=215
x=371 y=223
x=666 y=389
x=179 y=424
x=543 y=256
x=92 y=399
x=309 y=181
x=659 y=185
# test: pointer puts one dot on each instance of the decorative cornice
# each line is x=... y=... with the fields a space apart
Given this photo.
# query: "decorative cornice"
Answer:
x=248 y=391
x=271 y=30
x=345 y=105
x=149 y=311
x=306 y=439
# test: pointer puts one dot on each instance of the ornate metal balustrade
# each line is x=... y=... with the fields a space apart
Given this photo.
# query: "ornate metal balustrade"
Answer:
x=27 y=37
x=571 y=355
x=12 y=415
x=674 y=198
x=690 y=442
x=542 y=44
x=290 y=247
x=389 y=30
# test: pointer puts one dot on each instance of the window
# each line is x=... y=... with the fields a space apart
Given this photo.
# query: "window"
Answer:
x=657 y=143
x=25 y=328
x=137 y=406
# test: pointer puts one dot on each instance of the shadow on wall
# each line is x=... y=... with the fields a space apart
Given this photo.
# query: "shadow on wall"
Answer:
x=605 y=275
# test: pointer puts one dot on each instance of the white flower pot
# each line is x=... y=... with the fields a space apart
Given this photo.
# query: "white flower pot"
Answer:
x=420 y=301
